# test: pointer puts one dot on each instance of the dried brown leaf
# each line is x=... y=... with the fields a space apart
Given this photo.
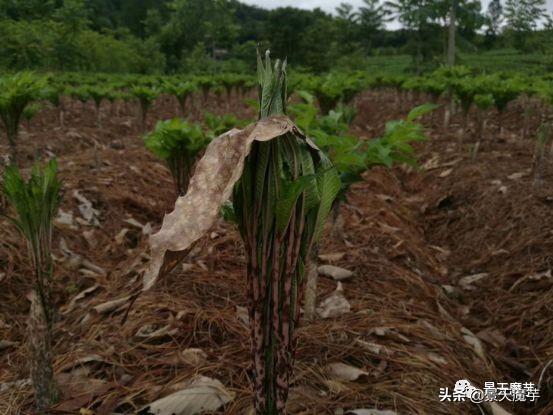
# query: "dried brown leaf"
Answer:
x=337 y=273
x=215 y=175
x=202 y=395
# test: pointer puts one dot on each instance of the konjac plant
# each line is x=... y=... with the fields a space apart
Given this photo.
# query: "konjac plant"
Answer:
x=352 y=157
x=36 y=202
x=98 y=94
x=281 y=203
x=178 y=143
x=182 y=91
x=16 y=93
x=282 y=188
x=146 y=97
x=483 y=103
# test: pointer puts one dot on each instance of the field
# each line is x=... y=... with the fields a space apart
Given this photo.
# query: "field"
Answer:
x=451 y=265
x=490 y=61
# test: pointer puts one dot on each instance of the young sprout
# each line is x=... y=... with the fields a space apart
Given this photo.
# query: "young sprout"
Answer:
x=36 y=202
x=178 y=143
x=16 y=92
x=281 y=203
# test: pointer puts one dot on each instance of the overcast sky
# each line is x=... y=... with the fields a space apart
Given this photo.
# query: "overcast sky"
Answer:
x=330 y=5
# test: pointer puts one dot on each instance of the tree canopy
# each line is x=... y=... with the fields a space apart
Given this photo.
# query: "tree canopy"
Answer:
x=169 y=36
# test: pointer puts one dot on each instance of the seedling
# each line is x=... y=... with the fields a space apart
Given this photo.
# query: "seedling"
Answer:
x=36 y=202
x=281 y=203
x=16 y=92
x=178 y=143
x=483 y=102
x=146 y=97
x=182 y=91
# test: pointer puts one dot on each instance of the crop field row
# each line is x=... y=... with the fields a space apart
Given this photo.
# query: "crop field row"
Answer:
x=334 y=244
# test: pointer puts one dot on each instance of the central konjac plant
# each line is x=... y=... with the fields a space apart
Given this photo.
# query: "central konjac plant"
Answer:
x=281 y=202
x=282 y=188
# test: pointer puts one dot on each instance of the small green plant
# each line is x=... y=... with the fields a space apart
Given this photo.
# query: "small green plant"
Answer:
x=206 y=83
x=483 y=103
x=54 y=95
x=146 y=97
x=16 y=92
x=333 y=89
x=178 y=143
x=182 y=91
x=98 y=94
x=36 y=202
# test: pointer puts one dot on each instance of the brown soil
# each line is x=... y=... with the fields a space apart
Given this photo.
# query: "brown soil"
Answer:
x=410 y=236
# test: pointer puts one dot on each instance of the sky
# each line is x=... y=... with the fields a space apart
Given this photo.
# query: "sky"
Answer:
x=330 y=5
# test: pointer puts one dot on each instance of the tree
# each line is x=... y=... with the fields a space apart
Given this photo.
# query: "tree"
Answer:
x=428 y=20
x=347 y=23
x=345 y=12
x=195 y=21
x=371 y=17
x=26 y=9
x=522 y=18
x=286 y=27
x=494 y=18
x=419 y=17
x=318 y=43
x=452 y=32
x=71 y=19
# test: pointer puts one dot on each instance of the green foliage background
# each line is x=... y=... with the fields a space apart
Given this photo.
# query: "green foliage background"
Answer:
x=207 y=36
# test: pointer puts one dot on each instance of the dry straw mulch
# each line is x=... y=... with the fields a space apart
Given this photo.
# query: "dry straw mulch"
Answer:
x=409 y=237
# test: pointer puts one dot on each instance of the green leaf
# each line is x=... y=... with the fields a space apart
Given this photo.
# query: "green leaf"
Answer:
x=290 y=194
x=328 y=183
x=421 y=110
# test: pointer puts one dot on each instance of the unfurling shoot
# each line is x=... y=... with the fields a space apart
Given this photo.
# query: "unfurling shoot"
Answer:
x=281 y=203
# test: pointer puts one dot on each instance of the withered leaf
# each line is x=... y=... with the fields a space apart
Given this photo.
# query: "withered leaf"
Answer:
x=215 y=175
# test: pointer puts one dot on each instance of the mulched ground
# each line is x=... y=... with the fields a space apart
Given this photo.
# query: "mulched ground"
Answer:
x=411 y=236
